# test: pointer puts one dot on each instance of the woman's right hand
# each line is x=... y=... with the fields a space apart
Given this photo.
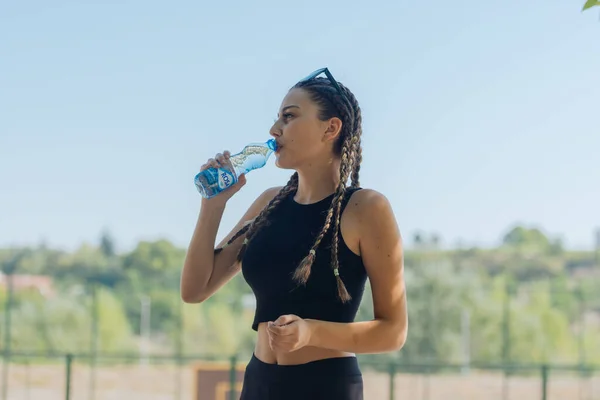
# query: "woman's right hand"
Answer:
x=221 y=160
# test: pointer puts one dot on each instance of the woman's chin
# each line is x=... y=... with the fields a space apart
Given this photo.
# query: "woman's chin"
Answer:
x=281 y=163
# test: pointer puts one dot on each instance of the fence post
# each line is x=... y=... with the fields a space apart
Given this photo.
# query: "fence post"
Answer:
x=392 y=372
x=94 y=339
x=506 y=325
x=7 y=335
x=179 y=349
x=544 y=382
x=232 y=376
x=581 y=333
x=68 y=362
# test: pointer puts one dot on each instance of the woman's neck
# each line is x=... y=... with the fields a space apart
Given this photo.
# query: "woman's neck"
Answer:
x=316 y=181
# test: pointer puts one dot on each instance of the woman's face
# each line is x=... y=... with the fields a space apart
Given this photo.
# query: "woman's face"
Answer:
x=302 y=138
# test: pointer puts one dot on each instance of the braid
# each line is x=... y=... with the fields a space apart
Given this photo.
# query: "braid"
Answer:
x=262 y=218
x=254 y=225
x=239 y=233
x=302 y=272
x=356 y=164
x=356 y=148
x=345 y=168
x=346 y=107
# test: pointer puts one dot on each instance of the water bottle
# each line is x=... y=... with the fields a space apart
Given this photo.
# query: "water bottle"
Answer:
x=212 y=181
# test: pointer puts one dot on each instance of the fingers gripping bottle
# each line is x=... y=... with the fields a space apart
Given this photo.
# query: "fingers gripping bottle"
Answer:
x=210 y=182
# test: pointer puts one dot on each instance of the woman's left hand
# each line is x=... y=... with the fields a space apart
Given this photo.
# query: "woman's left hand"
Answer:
x=288 y=333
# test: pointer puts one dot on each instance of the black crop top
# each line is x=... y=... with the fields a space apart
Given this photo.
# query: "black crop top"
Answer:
x=276 y=250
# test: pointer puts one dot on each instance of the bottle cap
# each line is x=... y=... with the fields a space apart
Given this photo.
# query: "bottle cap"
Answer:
x=272 y=144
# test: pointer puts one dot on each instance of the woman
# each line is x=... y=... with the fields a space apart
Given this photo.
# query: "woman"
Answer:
x=306 y=250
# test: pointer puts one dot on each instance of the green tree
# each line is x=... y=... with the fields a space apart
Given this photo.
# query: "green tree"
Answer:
x=61 y=323
x=87 y=265
x=154 y=264
x=437 y=295
x=152 y=269
x=214 y=328
x=107 y=245
x=540 y=331
x=525 y=239
x=115 y=331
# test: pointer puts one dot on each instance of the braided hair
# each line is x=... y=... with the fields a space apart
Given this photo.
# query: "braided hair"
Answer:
x=348 y=147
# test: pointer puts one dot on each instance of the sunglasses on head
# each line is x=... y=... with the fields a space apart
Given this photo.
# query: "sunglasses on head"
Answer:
x=329 y=76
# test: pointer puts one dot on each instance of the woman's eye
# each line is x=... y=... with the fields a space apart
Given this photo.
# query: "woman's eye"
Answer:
x=287 y=116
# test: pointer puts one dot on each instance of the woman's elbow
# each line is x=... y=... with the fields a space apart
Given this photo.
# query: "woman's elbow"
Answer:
x=400 y=340
x=398 y=336
x=189 y=298
x=192 y=295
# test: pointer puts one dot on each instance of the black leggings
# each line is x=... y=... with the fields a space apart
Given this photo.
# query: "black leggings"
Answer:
x=332 y=379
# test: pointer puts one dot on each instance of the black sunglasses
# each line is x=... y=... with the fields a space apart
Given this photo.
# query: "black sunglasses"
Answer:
x=329 y=76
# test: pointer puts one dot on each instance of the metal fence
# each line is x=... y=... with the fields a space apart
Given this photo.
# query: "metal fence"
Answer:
x=30 y=376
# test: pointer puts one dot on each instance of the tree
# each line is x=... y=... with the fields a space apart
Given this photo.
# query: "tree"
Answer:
x=88 y=265
x=417 y=239
x=12 y=263
x=62 y=323
x=543 y=333
x=154 y=264
x=107 y=245
x=437 y=295
x=526 y=239
x=436 y=240
x=152 y=269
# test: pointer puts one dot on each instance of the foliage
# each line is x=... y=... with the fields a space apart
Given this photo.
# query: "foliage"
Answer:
x=63 y=322
x=528 y=300
x=590 y=4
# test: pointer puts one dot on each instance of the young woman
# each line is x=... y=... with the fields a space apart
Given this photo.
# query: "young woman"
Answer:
x=306 y=250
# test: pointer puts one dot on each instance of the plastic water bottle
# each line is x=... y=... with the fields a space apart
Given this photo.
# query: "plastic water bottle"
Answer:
x=213 y=181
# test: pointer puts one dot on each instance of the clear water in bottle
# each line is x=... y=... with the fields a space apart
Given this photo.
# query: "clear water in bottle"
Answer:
x=213 y=181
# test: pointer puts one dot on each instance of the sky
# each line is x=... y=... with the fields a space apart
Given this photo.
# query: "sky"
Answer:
x=477 y=115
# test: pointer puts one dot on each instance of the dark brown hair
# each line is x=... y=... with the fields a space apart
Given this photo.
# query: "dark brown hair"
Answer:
x=348 y=147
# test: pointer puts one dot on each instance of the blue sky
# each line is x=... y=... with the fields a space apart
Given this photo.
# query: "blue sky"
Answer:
x=477 y=115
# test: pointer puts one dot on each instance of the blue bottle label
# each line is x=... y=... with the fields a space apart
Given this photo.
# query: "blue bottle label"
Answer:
x=226 y=178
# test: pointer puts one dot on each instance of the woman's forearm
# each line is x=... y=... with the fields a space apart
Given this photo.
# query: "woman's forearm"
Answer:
x=364 y=337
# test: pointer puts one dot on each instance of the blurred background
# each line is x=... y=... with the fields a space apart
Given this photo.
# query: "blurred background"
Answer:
x=480 y=126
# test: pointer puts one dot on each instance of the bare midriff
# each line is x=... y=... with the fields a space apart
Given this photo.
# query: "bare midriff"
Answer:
x=264 y=353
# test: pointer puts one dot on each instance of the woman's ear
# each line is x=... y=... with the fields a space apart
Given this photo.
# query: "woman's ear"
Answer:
x=333 y=129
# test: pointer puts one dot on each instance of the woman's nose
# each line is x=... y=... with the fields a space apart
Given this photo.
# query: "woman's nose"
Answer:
x=275 y=131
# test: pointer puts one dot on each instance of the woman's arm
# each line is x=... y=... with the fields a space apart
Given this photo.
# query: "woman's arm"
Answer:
x=203 y=271
x=382 y=254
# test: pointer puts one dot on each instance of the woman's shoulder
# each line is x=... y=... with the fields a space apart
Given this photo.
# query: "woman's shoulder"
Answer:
x=260 y=202
x=363 y=199
x=367 y=213
x=270 y=193
x=366 y=205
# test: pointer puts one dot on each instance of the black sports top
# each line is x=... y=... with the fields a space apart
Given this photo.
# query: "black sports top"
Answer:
x=278 y=248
